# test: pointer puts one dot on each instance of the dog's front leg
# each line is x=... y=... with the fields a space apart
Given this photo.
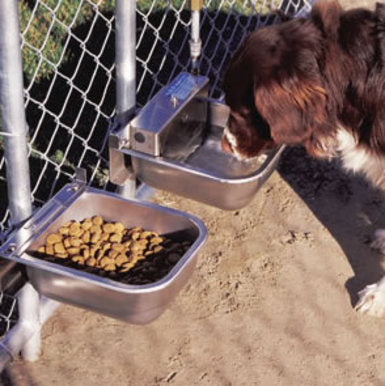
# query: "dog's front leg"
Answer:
x=372 y=297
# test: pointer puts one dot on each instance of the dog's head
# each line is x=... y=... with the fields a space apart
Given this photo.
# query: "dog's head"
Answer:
x=274 y=87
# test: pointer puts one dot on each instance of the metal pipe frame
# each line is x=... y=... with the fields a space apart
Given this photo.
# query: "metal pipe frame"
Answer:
x=17 y=166
x=125 y=60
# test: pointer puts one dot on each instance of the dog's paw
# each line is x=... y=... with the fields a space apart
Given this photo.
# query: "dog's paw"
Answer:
x=372 y=300
x=379 y=241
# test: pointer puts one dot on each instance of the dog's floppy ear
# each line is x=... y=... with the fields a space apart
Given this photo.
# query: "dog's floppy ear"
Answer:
x=291 y=108
x=294 y=106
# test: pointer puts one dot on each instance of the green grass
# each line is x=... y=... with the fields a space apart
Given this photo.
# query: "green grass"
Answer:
x=44 y=27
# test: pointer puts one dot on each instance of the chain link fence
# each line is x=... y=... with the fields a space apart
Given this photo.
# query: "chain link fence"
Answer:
x=8 y=312
x=68 y=64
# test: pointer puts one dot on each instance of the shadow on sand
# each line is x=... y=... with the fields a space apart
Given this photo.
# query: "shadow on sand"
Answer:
x=346 y=204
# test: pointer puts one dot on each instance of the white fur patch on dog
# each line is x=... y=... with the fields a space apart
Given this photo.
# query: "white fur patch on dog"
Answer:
x=360 y=159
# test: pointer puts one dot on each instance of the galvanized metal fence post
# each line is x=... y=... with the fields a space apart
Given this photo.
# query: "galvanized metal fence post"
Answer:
x=125 y=60
x=16 y=156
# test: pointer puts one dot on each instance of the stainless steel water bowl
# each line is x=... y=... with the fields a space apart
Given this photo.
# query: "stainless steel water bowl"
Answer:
x=204 y=173
x=177 y=148
x=132 y=303
x=208 y=175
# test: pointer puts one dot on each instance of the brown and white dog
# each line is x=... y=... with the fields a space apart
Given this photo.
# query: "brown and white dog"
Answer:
x=319 y=82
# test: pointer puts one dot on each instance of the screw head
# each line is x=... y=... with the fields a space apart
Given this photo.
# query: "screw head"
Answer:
x=174 y=101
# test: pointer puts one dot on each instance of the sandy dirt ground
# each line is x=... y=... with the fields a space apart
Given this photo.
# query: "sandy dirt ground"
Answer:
x=270 y=303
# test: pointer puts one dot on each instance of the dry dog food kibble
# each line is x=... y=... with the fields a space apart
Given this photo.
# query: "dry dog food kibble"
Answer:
x=131 y=255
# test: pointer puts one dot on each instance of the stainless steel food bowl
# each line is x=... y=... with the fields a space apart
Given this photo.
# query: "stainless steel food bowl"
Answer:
x=137 y=304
